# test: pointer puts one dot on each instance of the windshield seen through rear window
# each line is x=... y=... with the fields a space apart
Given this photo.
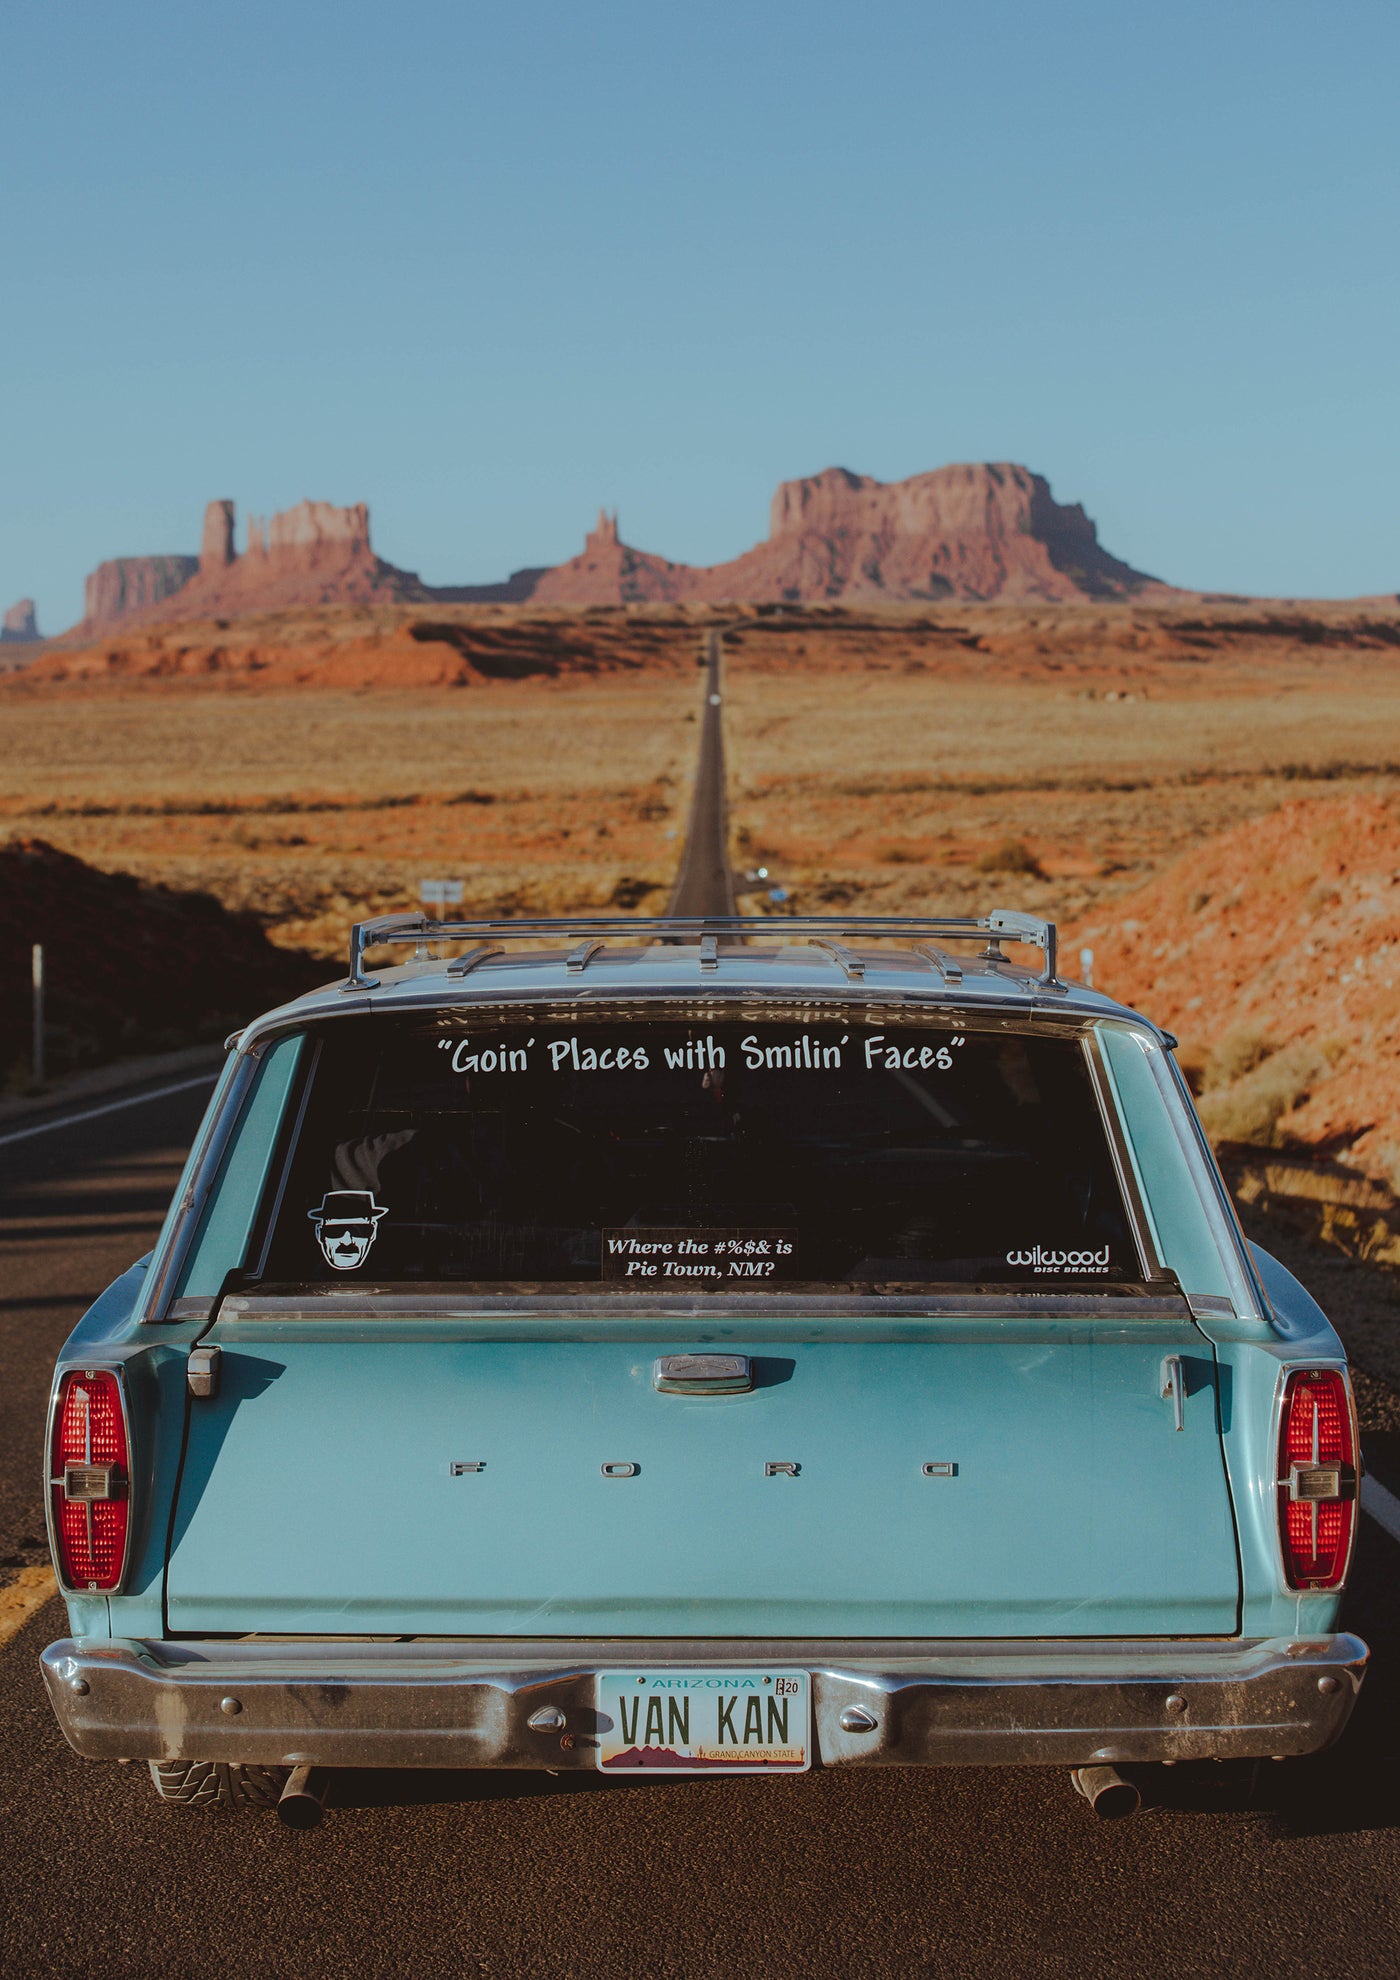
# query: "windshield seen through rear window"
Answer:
x=631 y=1154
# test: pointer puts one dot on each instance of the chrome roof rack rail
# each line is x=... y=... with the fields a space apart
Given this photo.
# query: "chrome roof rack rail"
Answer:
x=843 y=957
x=831 y=933
x=464 y=964
x=950 y=971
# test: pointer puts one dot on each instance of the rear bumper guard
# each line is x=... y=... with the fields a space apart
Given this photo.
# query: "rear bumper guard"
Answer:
x=1066 y=1703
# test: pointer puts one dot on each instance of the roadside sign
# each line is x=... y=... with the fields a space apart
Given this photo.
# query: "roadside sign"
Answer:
x=440 y=893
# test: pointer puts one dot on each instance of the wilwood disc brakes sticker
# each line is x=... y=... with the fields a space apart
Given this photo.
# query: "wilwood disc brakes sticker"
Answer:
x=1041 y=1260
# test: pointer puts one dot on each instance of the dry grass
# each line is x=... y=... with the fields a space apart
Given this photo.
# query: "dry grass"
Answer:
x=1054 y=758
x=311 y=808
x=906 y=791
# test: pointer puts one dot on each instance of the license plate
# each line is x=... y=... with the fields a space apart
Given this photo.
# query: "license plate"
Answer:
x=704 y=1722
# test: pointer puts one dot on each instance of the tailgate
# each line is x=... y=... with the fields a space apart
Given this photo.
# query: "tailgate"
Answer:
x=324 y=1488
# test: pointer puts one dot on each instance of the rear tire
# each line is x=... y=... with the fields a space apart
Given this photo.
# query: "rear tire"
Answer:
x=217 y=1783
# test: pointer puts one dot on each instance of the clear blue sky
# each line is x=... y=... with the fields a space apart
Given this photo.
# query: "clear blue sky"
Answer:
x=489 y=267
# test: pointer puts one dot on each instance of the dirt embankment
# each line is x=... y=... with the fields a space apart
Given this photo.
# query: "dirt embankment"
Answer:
x=130 y=967
x=383 y=647
x=1133 y=648
x=1273 y=951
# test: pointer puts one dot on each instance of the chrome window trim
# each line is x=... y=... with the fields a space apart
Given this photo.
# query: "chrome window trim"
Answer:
x=714 y=1001
x=226 y=1111
x=1167 y=1072
x=267 y=1210
x=1153 y=1267
x=1246 y=1292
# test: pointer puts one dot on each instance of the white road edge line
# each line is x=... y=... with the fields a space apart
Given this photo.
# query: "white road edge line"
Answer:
x=1383 y=1506
x=110 y=1107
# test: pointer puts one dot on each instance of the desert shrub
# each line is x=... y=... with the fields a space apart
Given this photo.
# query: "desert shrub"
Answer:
x=1192 y=1063
x=1236 y=1053
x=899 y=856
x=1011 y=856
x=1251 y=1107
x=630 y=891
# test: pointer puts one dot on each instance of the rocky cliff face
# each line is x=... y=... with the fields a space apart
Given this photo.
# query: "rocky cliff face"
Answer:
x=126 y=585
x=216 y=551
x=314 y=554
x=20 y=623
x=610 y=572
x=991 y=530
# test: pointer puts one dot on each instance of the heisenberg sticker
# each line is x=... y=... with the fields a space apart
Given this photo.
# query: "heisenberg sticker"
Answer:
x=346 y=1222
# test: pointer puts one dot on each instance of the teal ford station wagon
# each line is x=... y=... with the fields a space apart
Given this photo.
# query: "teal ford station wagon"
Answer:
x=719 y=1346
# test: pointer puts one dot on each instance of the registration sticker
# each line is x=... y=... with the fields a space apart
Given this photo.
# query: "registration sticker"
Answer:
x=704 y=1722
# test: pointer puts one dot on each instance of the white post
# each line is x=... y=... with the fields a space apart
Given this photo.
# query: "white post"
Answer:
x=38 y=1061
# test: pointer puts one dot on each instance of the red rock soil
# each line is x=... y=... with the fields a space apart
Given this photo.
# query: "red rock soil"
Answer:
x=1277 y=944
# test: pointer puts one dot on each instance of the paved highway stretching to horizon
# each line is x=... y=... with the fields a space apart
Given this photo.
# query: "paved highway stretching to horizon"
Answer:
x=704 y=878
x=885 y=1872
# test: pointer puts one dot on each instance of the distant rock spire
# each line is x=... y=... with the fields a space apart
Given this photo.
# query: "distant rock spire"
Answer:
x=20 y=622
x=216 y=551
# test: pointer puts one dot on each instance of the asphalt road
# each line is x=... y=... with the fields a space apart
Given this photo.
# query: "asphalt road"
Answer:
x=704 y=882
x=900 y=1873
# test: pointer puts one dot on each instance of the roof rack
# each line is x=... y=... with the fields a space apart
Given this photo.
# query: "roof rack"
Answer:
x=587 y=934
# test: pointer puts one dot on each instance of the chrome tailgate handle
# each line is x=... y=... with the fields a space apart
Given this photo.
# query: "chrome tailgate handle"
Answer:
x=702 y=1374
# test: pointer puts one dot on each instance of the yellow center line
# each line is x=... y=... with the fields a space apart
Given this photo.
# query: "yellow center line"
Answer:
x=23 y=1596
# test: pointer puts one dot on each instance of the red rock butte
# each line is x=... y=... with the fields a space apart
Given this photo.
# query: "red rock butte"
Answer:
x=985 y=531
x=314 y=554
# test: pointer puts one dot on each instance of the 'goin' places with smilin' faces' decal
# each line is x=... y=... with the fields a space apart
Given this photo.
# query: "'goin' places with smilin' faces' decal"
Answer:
x=629 y=1153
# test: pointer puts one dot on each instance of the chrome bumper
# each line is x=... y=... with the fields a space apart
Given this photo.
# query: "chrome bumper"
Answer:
x=469 y=1704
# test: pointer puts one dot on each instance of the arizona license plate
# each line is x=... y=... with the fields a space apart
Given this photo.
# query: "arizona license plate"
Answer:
x=704 y=1722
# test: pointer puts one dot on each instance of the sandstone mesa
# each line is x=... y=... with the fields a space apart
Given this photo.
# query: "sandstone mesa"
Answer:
x=984 y=531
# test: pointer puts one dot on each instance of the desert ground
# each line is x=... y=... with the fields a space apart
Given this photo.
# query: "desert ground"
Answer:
x=309 y=810
x=1204 y=794
x=1062 y=757
x=1208 y=803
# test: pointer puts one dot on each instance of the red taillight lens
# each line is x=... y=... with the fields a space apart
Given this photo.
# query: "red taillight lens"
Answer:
x=89 y=1478
x=1317 y=1478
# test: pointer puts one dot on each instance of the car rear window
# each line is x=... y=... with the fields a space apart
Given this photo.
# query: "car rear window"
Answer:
x=653 y=1156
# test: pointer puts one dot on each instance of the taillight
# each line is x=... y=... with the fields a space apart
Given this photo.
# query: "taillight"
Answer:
x=89 y=1480
x=1317 y=1478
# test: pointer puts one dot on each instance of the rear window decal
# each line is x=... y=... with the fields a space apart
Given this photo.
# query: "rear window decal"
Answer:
x=650 y=1153
x=346 y=1222
x=1043 y=1260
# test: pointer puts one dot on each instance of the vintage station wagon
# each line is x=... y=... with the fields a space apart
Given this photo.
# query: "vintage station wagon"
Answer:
x=700 y=1346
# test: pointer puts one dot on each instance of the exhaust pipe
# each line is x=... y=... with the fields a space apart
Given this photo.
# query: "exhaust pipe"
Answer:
x=302 y=1802
x=1105 y=1790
